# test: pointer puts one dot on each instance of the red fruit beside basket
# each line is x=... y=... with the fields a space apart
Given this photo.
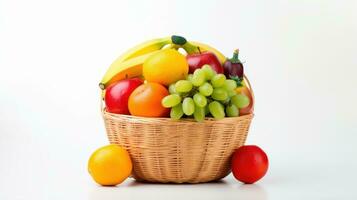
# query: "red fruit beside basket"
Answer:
x=249 y=164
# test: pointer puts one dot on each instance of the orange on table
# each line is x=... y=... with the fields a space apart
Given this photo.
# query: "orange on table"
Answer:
x=110 y=165
x=145 y=101
x=165 y=67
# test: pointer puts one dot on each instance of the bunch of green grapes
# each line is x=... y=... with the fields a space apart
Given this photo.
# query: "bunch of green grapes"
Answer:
x=204 y=93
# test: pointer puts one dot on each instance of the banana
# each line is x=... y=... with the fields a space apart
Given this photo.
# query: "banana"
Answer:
x=129 y=64
x=117 y=67
x=144 y=48
x=126 y=69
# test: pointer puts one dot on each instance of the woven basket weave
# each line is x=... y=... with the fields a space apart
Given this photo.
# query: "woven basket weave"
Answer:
x=184 y=151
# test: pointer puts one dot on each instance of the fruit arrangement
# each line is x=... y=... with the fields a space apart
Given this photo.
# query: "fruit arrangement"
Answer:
x=158 y=92
x=154 y=79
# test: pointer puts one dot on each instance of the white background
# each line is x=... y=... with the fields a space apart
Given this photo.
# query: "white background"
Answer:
x=300 y=56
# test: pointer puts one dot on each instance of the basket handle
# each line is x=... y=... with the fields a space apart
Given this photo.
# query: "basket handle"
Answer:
x=245 y=78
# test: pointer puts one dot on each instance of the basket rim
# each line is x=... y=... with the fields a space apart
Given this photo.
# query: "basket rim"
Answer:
x=169 y=120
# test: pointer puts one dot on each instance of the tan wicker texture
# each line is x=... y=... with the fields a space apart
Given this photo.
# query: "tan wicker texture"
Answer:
x=183 y=151
x=163 y=150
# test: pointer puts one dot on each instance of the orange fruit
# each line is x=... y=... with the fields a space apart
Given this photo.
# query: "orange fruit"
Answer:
x=145 y=100
x=110 y=165
x=165 y=67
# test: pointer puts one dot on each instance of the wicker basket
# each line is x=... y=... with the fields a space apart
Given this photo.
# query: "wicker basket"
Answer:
x=183 y=151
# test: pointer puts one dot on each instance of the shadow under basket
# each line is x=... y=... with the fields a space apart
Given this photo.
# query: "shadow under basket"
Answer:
x=178 y=151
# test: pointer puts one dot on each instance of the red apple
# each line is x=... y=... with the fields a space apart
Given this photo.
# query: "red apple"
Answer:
x=197 y=60
x=249 y=164
x=117 y=95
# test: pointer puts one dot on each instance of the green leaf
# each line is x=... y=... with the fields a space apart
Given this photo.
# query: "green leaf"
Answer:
x=237 y=80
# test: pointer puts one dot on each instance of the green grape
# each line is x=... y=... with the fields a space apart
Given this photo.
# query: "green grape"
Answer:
x=216 y=109
x=219 y=94
x=230 y=85
x=206 y=110
x=188 y=106
x=231 y=93
x=218 y=80
x=183 y=86
x=199 y=113
x=206 y=89
x=189 y=77
x=232 y=111
x=200 y=100
x=240 y=100
x=172 y=89
x=171 y=100
x=225 y=102
x=209 y=72
x=176 y=111
x=198 y=77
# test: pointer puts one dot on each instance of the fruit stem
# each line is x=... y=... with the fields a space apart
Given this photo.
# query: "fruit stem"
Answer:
x=178 y=40
x=237 y=80
x=102 y=86
x=182 y=42
x=191 y=49
x=235 y=58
